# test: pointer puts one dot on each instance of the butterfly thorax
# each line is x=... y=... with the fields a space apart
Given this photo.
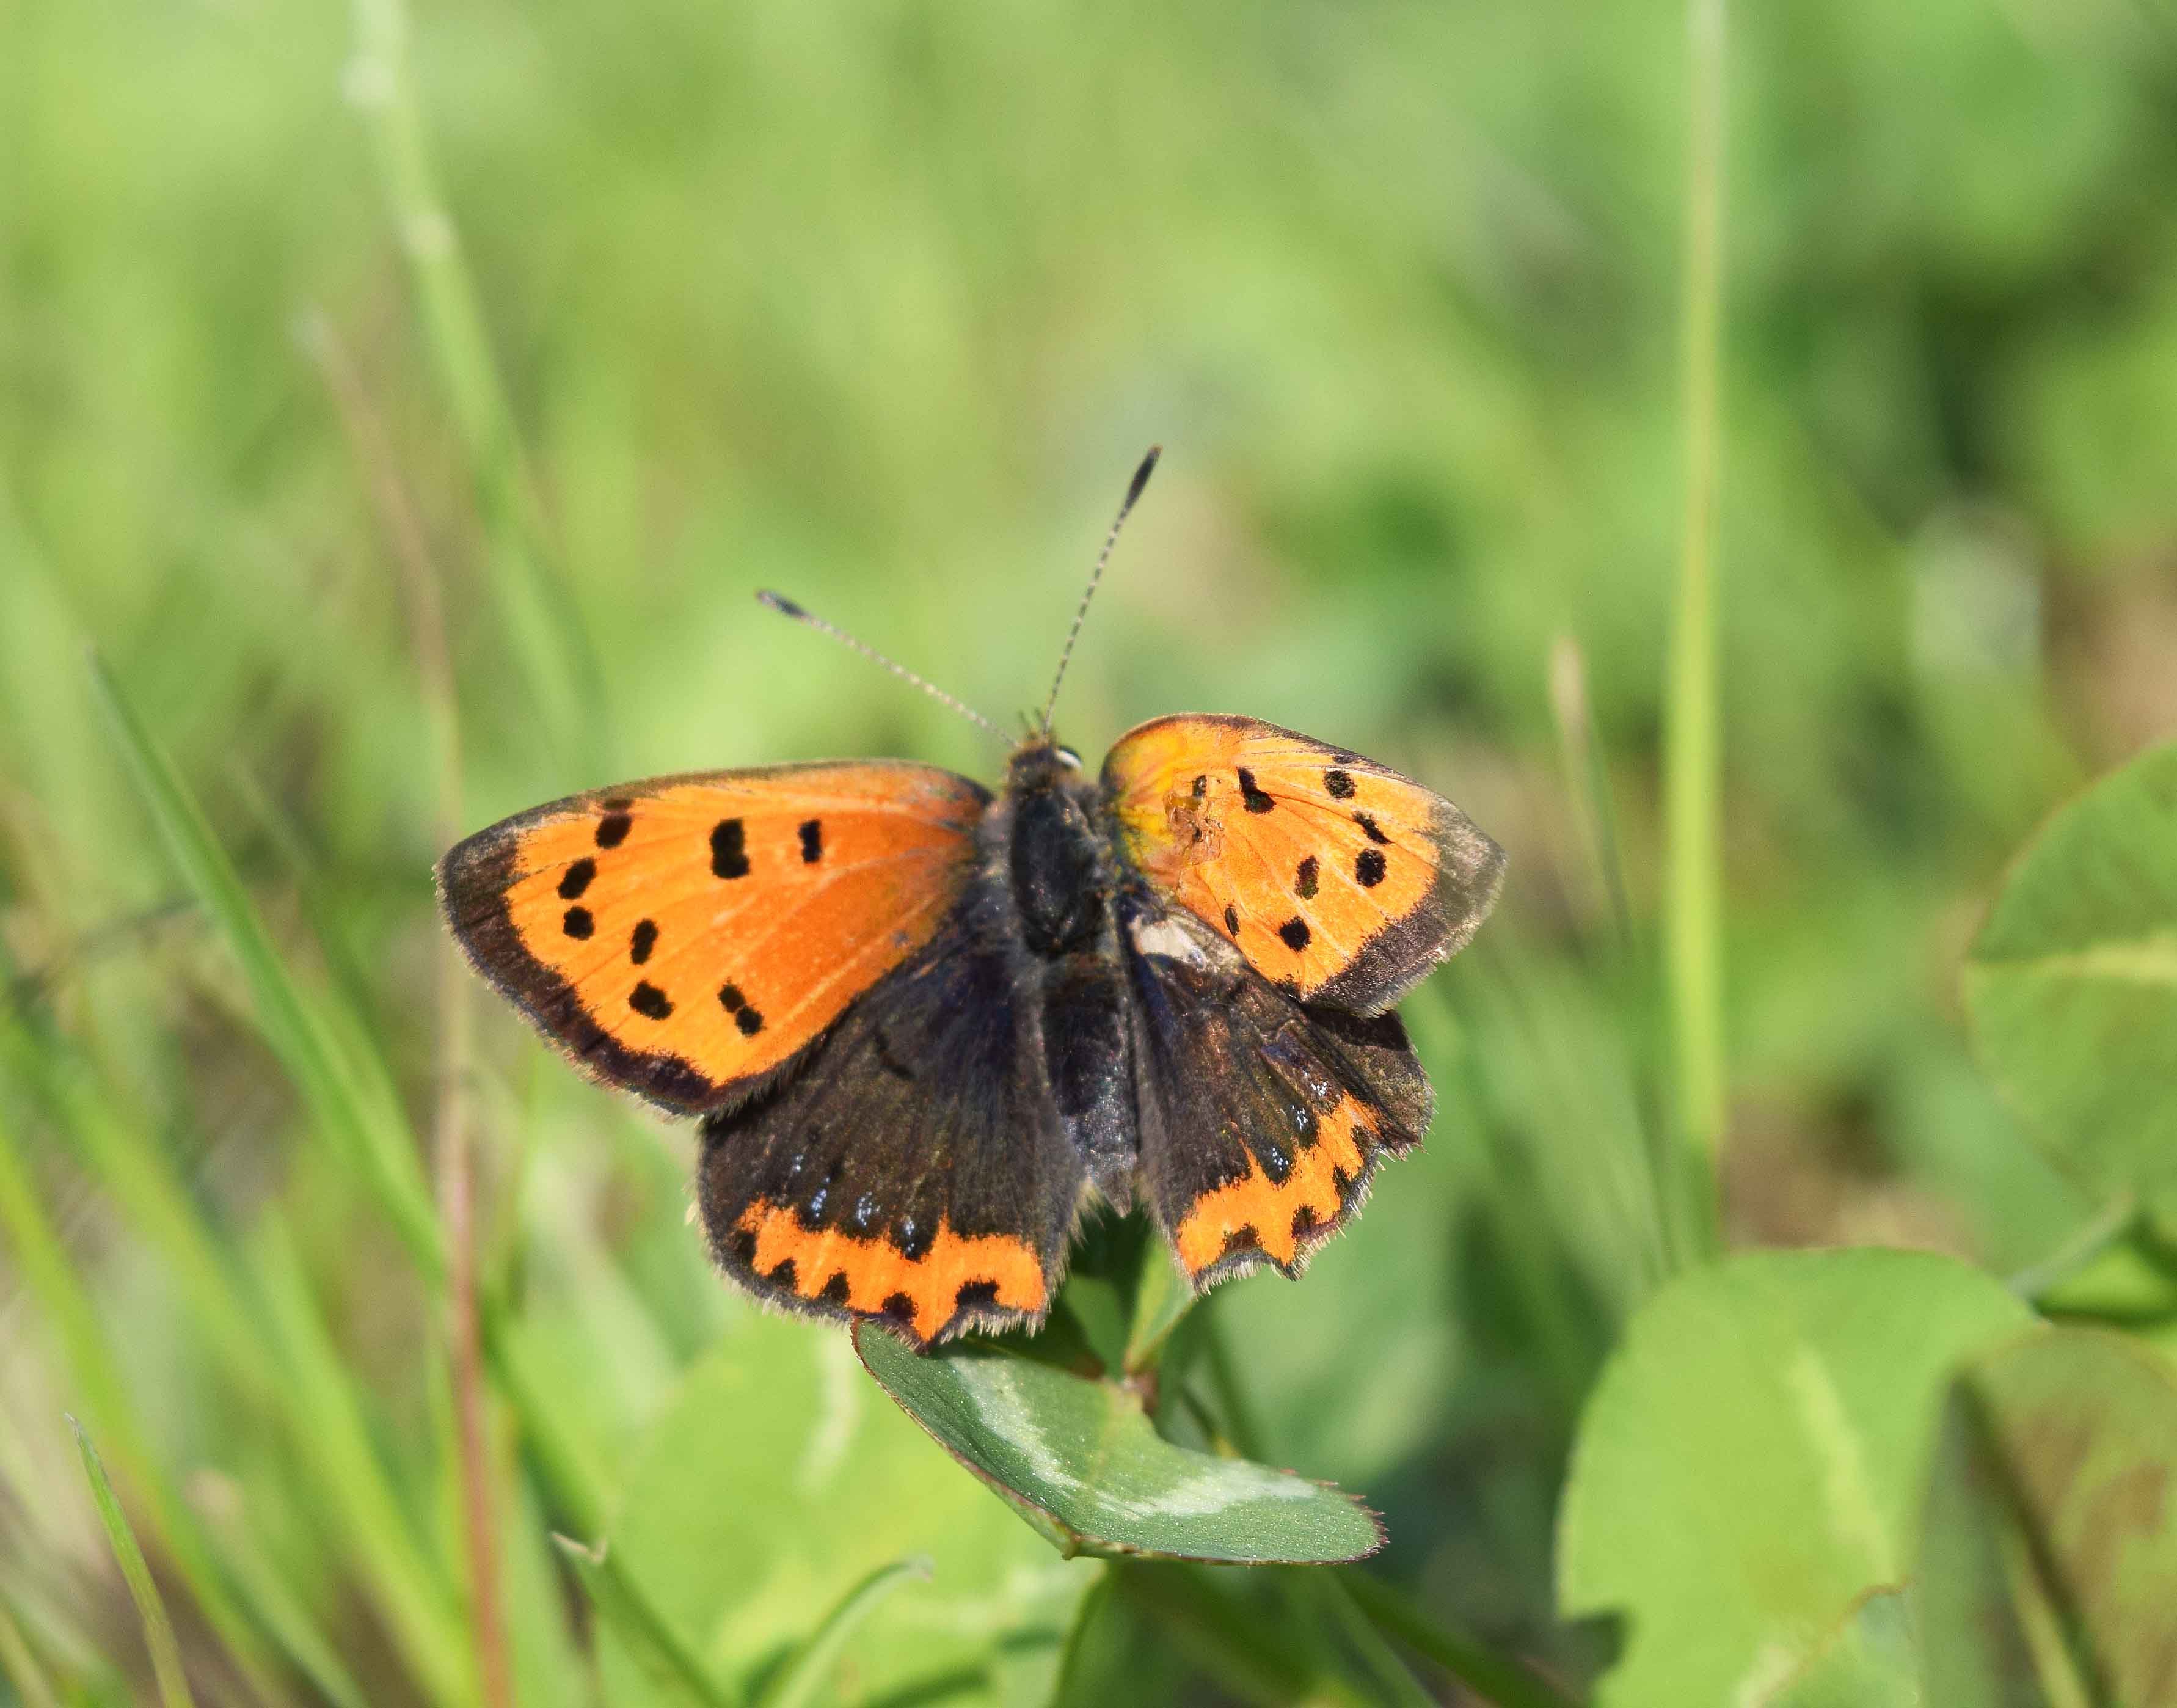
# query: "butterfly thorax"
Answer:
x=1055 y=858
x=1045 y=847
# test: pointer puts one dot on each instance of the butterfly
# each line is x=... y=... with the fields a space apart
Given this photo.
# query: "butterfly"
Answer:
x=924 y=1024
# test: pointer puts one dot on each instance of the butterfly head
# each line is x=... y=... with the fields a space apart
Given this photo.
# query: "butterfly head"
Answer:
x=1039 y=763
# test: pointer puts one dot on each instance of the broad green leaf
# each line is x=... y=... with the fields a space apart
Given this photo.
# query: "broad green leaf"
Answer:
x=2072 y=984
x=778 y=1480
x=1078 y=1459
x=2048 y=1565
x=1750 y=1464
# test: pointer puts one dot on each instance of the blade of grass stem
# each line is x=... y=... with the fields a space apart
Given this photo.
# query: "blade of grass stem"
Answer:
x=1249 y=1661
x=544 y=627
x=42 y=1259
x=159 y=1209
x=1587 y=786
x=1489 y=1675
x=804 y=1673
x=1391 y=1673
x=451 y=1138
x=405 y=1577
x=129 y=1165
x=657 y=1648
x=276 y=1606
x=19 y=1665
x=150 y=1606
x=372 y=1137
x=572 y=1467
x=1692 y=743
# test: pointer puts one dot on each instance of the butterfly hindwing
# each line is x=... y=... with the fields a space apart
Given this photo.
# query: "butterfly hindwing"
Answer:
x=682 y=936
x=1261 y=1120
x=1334 y=876
x=912 y=1169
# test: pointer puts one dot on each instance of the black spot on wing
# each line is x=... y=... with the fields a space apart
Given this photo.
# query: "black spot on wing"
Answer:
x=728 y=848
x=613 y=828
x=643 y=941
x=974 y=1294
x=577 y=922
x=1296 y=934
x=1232 y=919
x=812 y=841
x=576 y=879
x=1339 y=782
x=836 y=1291
x=750 y=1022
x=1368 y=867
x=1367 y=822
x=1304 y=880
x=1251 y=797
x=730 y=998
x=645 y=998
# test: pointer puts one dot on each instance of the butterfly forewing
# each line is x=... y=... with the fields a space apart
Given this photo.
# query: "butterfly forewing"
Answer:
x=1338 y=879
x=682 y=937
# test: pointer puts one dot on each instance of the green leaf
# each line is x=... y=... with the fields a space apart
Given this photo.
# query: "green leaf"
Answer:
x=777 y=1480
x=2072 y=984
x=1078 y=1460
x=2050 y=1547
x=158 y=1628
x=1750 y=1464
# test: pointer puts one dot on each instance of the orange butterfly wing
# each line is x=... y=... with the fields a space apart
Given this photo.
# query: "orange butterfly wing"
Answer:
x=1338 y=880
x=681 y=936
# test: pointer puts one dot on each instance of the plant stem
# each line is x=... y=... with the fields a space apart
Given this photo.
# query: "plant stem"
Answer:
x=1692 y=749
x=455 y=1170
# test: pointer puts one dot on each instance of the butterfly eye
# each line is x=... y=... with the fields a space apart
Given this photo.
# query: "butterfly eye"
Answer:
x=1068 y=758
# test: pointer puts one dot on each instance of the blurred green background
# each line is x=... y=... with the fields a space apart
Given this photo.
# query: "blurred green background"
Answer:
x=878 y=304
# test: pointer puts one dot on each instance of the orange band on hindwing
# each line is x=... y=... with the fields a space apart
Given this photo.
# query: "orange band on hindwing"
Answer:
x=1281 y=1219
x=871 y=1276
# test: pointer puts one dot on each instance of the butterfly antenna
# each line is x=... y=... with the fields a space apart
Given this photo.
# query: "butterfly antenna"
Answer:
x=1125 y=508
x=787 y=608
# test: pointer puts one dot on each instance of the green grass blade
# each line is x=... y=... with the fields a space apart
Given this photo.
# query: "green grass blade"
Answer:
x=411 y=1585
x=1490 y=1675
x=663 y=1653
x=543 y=626
x=798 y=1682
x=158 y=1628
x=19 y=1667
x=373 y=1139
x=40 y=1257
x=1693 y=744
